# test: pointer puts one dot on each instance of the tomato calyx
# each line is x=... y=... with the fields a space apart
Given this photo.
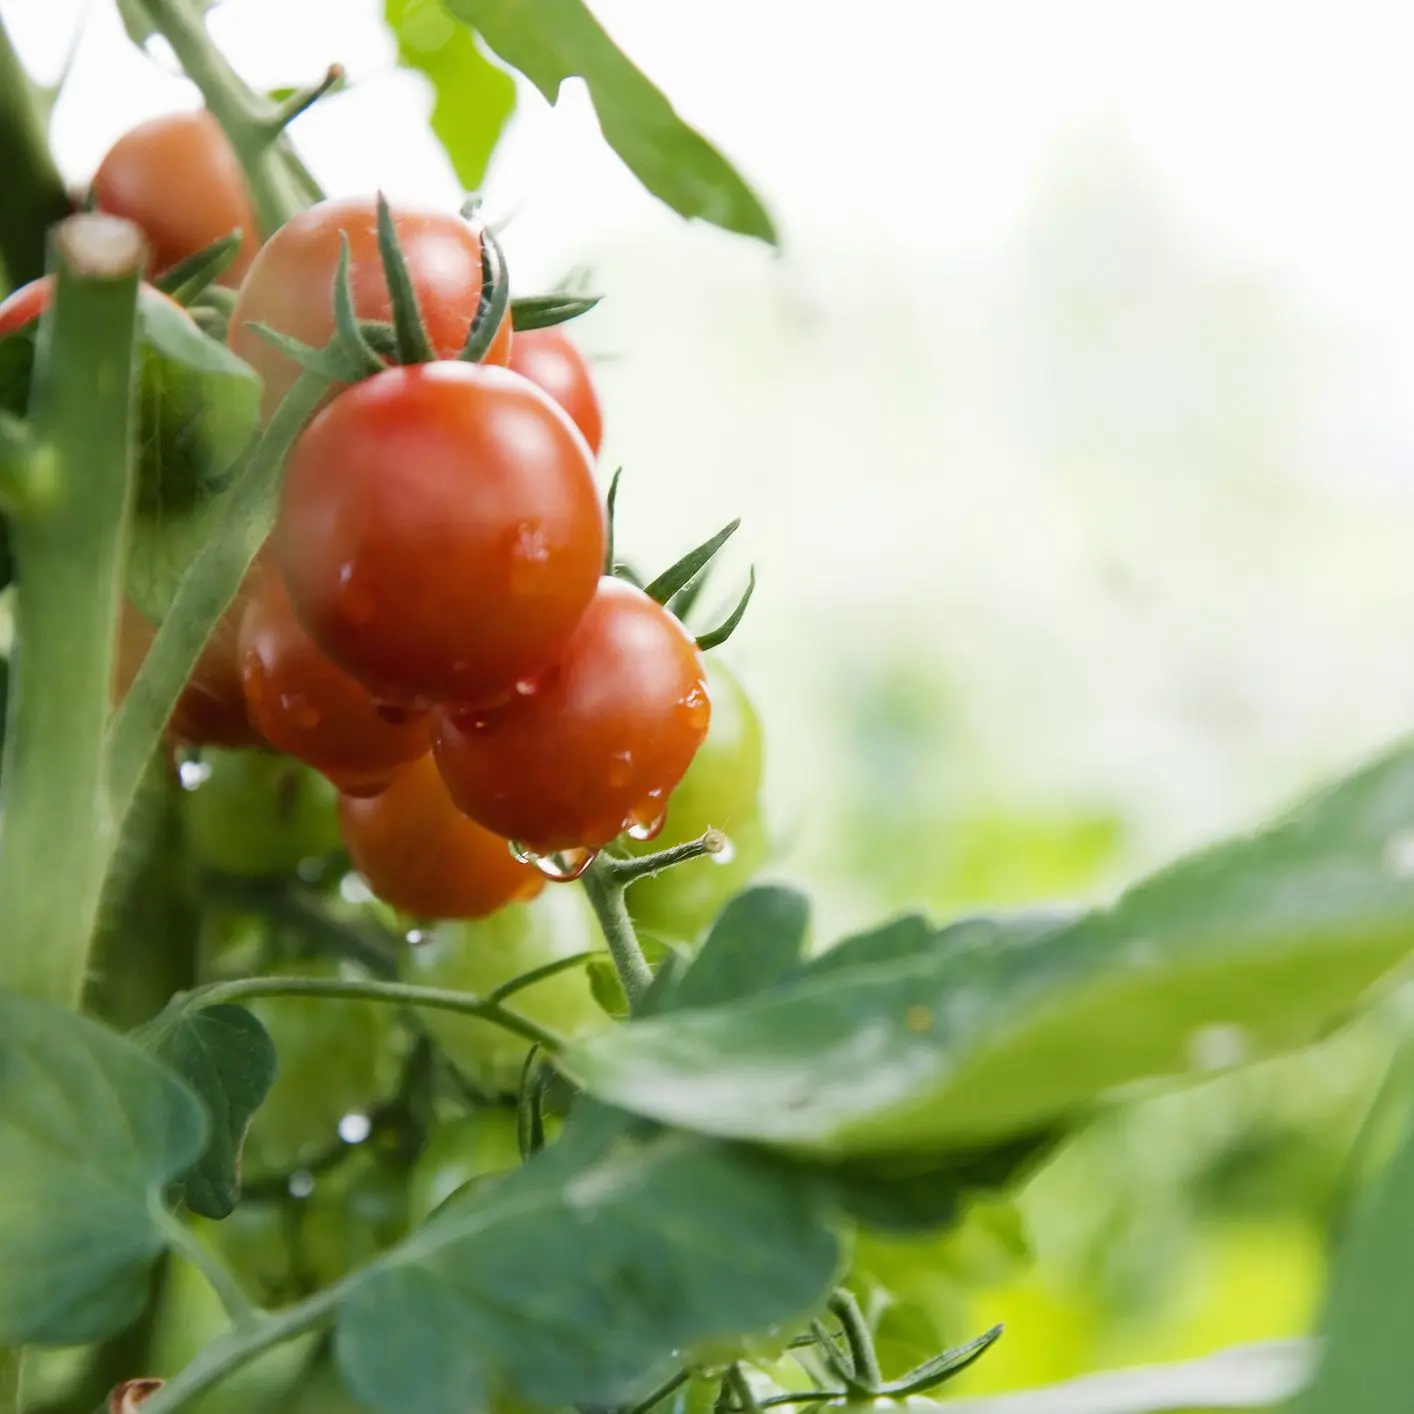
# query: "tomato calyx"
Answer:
x=189 y=279
x=679 y=586
x=492 y=306
x=545 y=311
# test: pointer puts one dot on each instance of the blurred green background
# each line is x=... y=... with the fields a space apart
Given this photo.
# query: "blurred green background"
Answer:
x=1072 y=438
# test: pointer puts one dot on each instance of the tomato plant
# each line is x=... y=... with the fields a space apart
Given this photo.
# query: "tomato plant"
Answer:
x=440 y=532
x=420 y=854
x=179 y=179
x=596 y=742
x=290 y=286
x=474 y=1147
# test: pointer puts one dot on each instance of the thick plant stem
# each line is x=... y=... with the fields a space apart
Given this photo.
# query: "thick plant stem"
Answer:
x=35 y=198
x=250 y=121
x=10 y=1361
x=58 y=834
x=240 y=522
x=606 y=894
x=861 y=1342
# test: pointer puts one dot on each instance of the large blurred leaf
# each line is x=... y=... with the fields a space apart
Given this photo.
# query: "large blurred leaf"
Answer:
x=472 y=97
x=757 y=938
x=1368 y=1364
x=576 y=1278
x=1265 y=942
x=228 y=1058
x=91 y=1131
x=550 y=41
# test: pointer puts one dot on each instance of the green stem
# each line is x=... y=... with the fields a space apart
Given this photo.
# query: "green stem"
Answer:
x=58 y=833
x=606 y=895
x=664 y=1390
x=740 y=1386
x=239 y=1347
x=241 y=521
x=399 y=993
x=859 y=1339
x=10 y=1362
x=539 y=974
x=645 y=866
x=35 y=198
x=251 y=122
x=182 y=1240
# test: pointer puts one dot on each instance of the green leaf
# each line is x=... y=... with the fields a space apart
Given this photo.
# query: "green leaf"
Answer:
x=757 y=938
x=472 y=97
x=942 y=1367
x=1368 y=1363
x=227 y=1057
x=1263 y=943
x=545 y=311
x=677 y=575
x=550 y=41
x=575 y=1279
x=91 y=1131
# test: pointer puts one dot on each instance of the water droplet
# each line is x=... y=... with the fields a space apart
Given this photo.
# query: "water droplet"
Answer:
x=352 y=889
x=620 y=768
x=1218 y=1047
x=300 y=1183
x=414 y=936
x=1399 y=854
x=696 y=707
x=355 y=602
x=355 y=1128
x=302 y=713
x=565 y=866
x=529 y=551
x=648 y=829
x=527 y=687
x=193 y=773
x=253 y=679
x=310 y=870
x=521 y=854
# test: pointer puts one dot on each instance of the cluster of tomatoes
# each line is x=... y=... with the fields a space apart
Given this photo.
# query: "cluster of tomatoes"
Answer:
x=433 y=624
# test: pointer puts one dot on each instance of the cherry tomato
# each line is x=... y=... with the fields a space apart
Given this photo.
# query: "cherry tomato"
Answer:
x=26 y=304
x=179 y=178
x=336 y=1058
x=598 y=742
x=477 y=957
x=420 y=854
x=258 y=815
x=474 y=1146
x=290 y=286
x=440 y=532
x=720 y=792
x=550 y=359
x=211 y=710
x=301 y=703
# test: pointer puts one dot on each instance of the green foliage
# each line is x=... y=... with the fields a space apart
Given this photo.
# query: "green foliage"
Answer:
x=91 y=1131
x=472 y=96
x=575 y=1279
x=757 y=938
x=1000 y=1027
x=228 y=1059
x=550 y=41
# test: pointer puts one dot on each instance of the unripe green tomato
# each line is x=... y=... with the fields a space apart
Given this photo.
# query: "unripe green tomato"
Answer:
x=720 y=791
x=479 y=956
x=336 y=1058
x=470 y=1147
x=354 y=1212
x=258 y=814
x=764 y=1349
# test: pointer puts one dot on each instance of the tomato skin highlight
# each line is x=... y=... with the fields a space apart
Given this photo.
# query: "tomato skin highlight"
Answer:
x=304 y=705
x=421 y=855
x=600 y=741
x=552 y=361
x=179 y=179
x=440 y=532
x=290 y=286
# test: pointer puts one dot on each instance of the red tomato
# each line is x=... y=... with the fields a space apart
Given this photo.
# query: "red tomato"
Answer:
x=420 y=854
x=179 y=178
x=27 y=303
x=211 y=710
x=305 y=706
x=597 y=743
x=440 y=532
x=551 y=361
x=291 y=284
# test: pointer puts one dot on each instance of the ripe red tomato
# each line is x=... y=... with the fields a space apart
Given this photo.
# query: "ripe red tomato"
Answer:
x=440 y=532
x=302 y=704
x=179 y=178
x=597 y=743
x=211 y=710
x=290 y=286
x=27 y=303
x=550 y=359
x=420 y=854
